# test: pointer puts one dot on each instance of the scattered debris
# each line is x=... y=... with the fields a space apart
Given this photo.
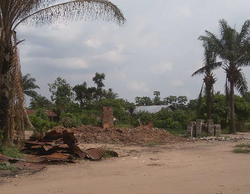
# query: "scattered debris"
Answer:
x=139 y=135
x=223 y=138
x=22 y=164
x=60 y=145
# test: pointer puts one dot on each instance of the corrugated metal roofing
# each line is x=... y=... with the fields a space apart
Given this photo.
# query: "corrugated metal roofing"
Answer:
x=152 y=109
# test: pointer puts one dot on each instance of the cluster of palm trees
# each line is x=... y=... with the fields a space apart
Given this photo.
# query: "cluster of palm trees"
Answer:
x=37 y=12
x=230 y=51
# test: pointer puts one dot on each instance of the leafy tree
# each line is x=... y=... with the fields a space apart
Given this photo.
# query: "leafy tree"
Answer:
x=170 y=100
x=143 y=101
x=157 y=98
x=233 y=49
x=242 y=111
x=208 y=80
x=98 y=80
x=29 y=86
x=61 y=95
x=83 y=94
x=182 y=102
x=37 y=12
x=246 y=96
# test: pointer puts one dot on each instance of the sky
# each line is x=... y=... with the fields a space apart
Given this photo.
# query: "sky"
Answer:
x=156 y=50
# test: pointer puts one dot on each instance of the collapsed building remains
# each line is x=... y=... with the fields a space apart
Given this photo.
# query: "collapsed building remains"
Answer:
x=200 y=128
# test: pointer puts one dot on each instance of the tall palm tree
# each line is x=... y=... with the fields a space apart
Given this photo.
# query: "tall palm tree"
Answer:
x=208 y=80
x=29 y=86
x=37 y=12
x=233 y=48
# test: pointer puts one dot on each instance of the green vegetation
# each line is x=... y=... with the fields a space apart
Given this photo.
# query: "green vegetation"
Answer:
x=242 y=148
x=11 y=151
x=82 y=105
x=243 y=145
x=7 y=166
x=152 y=144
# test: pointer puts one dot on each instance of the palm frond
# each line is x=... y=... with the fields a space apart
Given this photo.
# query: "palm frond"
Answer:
x=210 y=67
x=245 y=30
x=87 y=10
x=241 y=84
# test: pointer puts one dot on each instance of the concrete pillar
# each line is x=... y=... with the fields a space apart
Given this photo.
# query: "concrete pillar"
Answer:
x=210 y=127
x=217 y=129
x=199 y=125
x=191 y=128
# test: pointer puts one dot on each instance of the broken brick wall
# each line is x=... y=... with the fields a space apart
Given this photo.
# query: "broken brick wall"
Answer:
x=107 y=118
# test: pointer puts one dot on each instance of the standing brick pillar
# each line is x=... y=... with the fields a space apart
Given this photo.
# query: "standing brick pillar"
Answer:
x=199 y=126
x=217 y=129
x=191 y=128
x=210 y=127
x=107 y=118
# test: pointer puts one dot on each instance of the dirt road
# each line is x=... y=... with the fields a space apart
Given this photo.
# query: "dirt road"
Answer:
x=184 y=168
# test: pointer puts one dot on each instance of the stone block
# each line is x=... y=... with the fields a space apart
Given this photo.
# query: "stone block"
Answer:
x=210 y=127
x=199 y=126
x=217 y=129
x=191 y=128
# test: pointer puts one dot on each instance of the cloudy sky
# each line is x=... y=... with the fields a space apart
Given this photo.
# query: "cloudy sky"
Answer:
x=156 y=50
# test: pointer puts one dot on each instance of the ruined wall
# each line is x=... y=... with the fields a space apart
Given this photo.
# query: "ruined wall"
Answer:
x=107 y=118
x=200 y=128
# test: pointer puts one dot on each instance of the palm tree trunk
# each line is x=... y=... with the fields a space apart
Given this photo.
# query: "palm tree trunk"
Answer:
x=209 y=103
x=232 y=129
x=4 y=109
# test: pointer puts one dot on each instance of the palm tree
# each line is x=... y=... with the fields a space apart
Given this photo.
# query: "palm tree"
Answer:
x=233 y=48
x=37 y=12
x=29 y=86
x=110 y=94
x=208 y=80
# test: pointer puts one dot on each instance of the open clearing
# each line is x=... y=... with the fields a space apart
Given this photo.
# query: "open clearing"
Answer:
x=183 y=168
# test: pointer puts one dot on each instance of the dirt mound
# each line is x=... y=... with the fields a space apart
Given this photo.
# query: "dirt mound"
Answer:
x=140 y=135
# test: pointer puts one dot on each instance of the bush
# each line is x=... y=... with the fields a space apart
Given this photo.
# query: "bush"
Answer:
x=41 y=121
x=176 y=125
x=142 y=117
x=11 y=151
x=70 y=120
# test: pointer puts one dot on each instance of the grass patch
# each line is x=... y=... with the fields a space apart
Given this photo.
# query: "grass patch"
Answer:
x=123 y=125
x=177 y=132
x=151 y=144
x=243 y=145
x=11 y=151
x=225 y=131
x=7 y=166
x=243 y=148
x=241 y=151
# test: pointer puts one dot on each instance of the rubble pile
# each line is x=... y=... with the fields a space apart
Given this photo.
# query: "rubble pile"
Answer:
x=60 y=145
x=139 y=135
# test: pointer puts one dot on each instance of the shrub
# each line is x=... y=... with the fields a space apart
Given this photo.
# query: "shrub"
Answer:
x=41 y=121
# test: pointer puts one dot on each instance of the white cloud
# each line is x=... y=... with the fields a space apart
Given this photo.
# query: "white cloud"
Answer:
x=162 y=67
x=64 y=63
x=177 y=83
x=93 y=43
x=113 y=55
x=137 y=86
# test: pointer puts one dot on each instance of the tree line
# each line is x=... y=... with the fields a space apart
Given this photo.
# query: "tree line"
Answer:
x=82 y=105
